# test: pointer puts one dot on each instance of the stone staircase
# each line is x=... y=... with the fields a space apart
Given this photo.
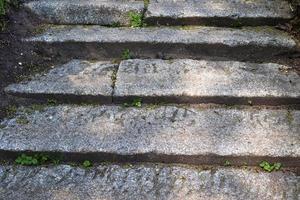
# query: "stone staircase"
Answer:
x=195 y=105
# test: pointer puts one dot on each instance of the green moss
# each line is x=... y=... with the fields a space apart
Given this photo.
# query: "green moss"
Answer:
x=11 y=111
x=35 y=107
x=22 y=120
x=289 y=117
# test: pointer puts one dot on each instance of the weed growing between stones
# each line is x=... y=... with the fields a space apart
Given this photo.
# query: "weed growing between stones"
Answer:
x=268 y=167
x=126 y=54
x=115 y=24
x=137 y=102
x=227 y=163
x=36 y=159
x=136 y=20
x=114 y=77
x=87 y=164
x=52 y=102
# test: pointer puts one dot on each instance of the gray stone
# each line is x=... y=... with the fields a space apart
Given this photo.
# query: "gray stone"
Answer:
x=163 y=182
x=163 y=133
x=218 y=12
x=74 y=81
x=191 y=81
x=101 y=12
x=98 y=42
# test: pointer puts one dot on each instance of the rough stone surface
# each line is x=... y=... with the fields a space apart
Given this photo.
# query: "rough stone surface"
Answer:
x=76 y=79
x=145 y=182
x=163 y=130
x=218 y=12
x=101 y=12
x=192 y=81
x=193 y=42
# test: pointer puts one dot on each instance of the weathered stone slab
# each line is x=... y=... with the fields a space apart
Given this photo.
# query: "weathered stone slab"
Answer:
x=145 y=182
x=96 y=42
x=218 y=12
x=75 y=81
x=164 y=133
x=191 y=81
x=100 y=12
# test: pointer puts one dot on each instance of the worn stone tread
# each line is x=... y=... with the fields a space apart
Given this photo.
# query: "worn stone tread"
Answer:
x=97 y=42
x=159 y=133
x=191 y=81
x=164 y=182
x=74 y=81
x=218 y=12
x=100 y=12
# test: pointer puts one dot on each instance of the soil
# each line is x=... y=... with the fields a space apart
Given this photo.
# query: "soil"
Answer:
x=17 y=60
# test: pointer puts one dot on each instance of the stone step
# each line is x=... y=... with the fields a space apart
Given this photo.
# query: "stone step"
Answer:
x=218 y=12
x=135 y=182
x=191 y=81
x=100 y=12
x=76 y=81
x=170 y=134
x=168 y=81
x=97 y=42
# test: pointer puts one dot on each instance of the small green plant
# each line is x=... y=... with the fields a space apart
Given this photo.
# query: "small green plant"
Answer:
x=237 y=24
x=52 y=102
x=270 y=167
x=126 y=54
x=87 y=164
x=37 y=159
x=136 y=20
x=55 y=161
x=137 y=102
x=26 y=160
x=227 y=163
x=115 y=24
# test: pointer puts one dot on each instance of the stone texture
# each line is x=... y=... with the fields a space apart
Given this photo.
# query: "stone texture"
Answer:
x=145 y=182
x=101 y=12
x=74 y=81
x=98 y=42
x=218 y=12
x=194 y=135
x=192 y=81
